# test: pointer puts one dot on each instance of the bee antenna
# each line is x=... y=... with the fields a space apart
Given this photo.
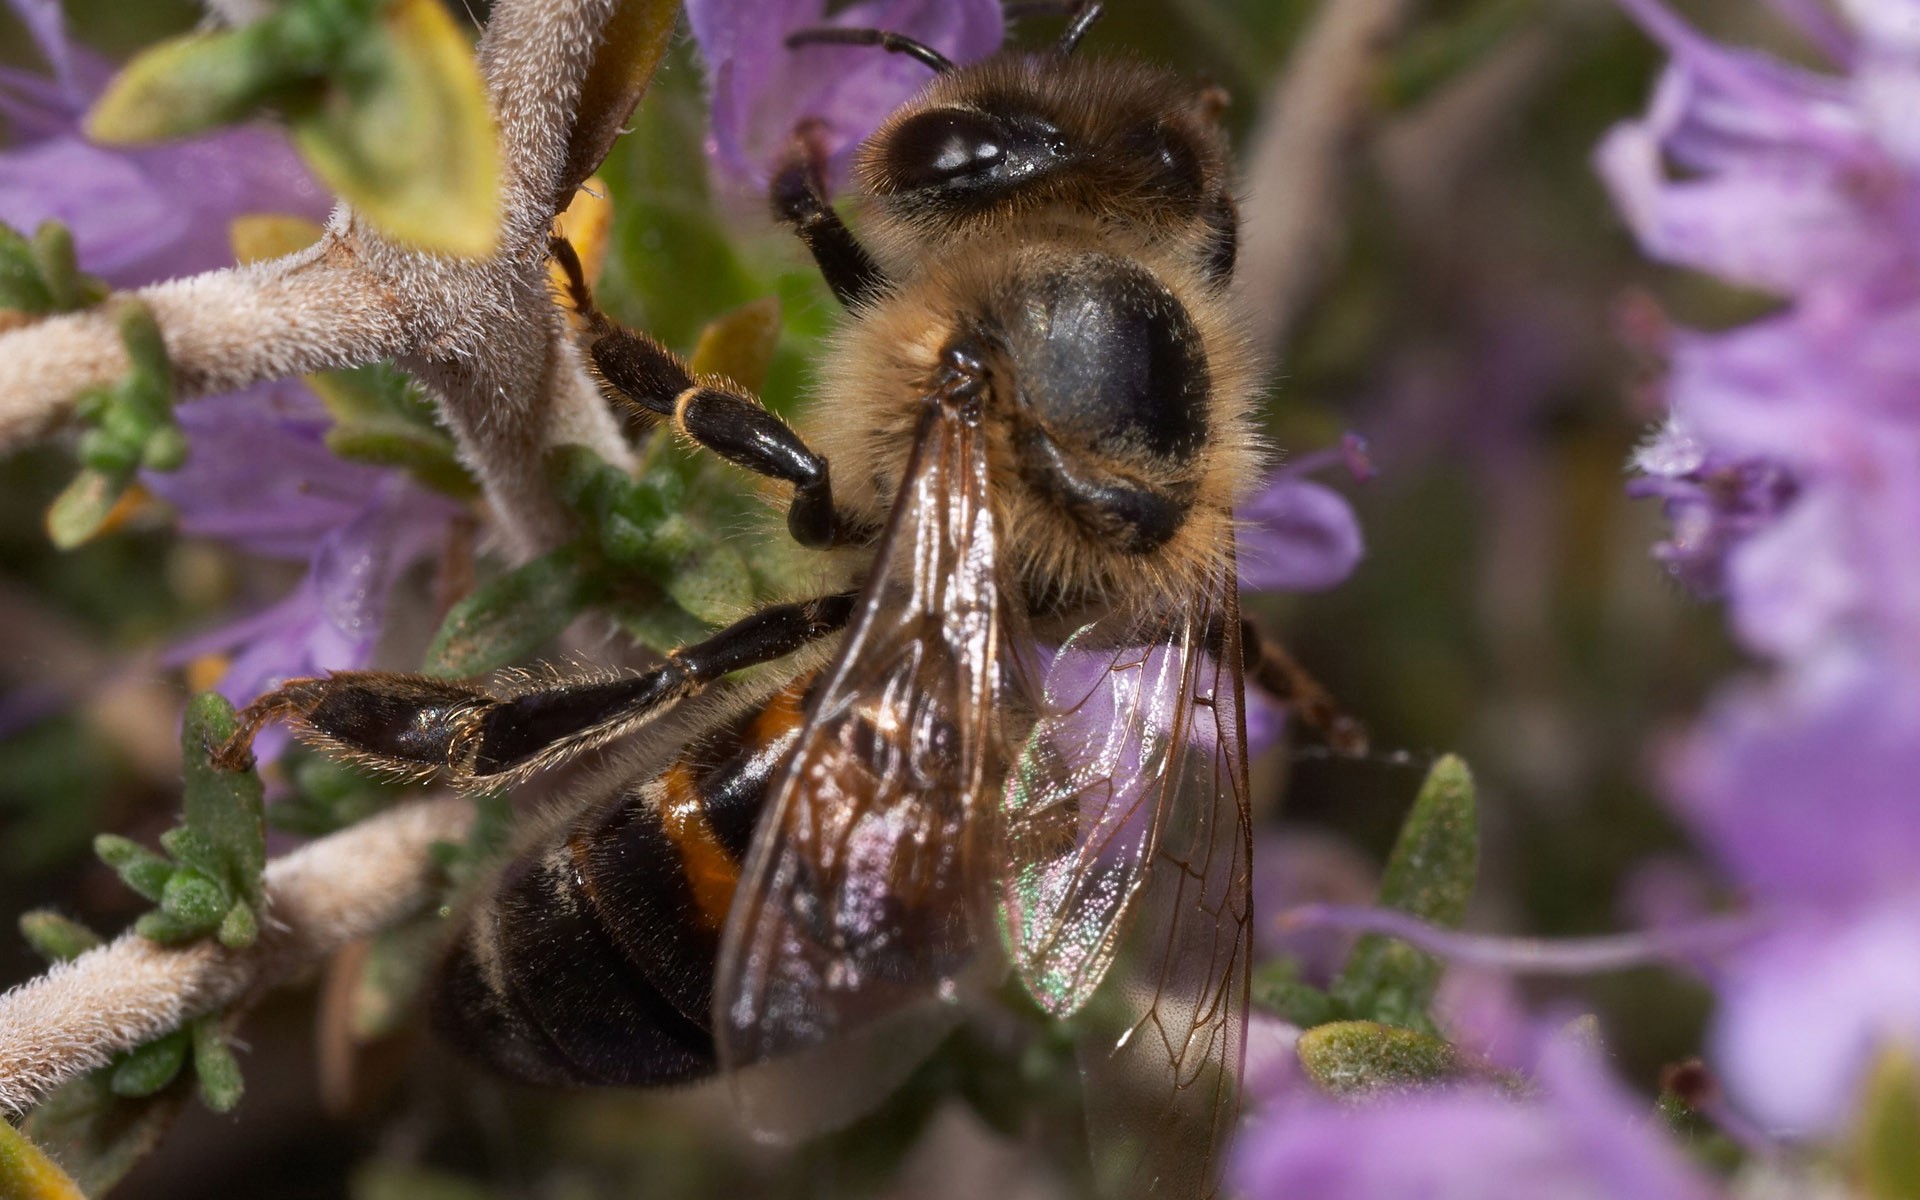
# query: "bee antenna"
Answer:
x=895 y=43
x=1084 y=15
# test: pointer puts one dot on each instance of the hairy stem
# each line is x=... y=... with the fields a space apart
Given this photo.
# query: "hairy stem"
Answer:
x=78 y=1015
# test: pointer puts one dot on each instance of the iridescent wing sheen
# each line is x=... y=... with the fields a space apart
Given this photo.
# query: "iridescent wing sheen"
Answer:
x=861 y=906
x=1128 y=843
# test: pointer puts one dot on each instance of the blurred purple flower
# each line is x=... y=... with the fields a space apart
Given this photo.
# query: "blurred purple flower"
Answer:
x=1295 y=867
x=137 y=214
x=264 y=481
x=1791 y=470
x=1579 y=1138
x=1297 y=535
x=762 y=90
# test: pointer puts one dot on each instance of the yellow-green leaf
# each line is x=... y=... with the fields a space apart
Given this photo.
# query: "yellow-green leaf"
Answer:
x=740 y=344
x=27 y=1174
x=1355 y=1058
x=407 y=138
x=1888 y=1138
x=256 y=237
x=631 y=47
x=191 y=84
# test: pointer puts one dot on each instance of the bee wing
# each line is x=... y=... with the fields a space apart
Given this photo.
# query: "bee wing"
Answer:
x=1128 y=844
x=859 y=907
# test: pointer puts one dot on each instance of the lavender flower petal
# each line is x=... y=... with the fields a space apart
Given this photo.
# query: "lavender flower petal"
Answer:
x=1298 y=536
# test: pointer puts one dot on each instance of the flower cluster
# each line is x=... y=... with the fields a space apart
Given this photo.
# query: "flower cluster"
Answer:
x=1790 y=467
x=258 y=476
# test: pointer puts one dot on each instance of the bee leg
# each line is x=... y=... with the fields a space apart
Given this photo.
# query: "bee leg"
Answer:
x=728 y=422
x=799 y=197
x=1270 y=665
x=416 y=725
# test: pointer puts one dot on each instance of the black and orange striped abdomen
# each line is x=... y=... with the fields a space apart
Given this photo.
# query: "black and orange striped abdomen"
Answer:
x=593 y=960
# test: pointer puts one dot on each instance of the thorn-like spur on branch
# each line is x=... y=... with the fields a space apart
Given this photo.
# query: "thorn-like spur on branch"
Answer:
x=1304 y=149
x=81 y=1013
x=483 y=333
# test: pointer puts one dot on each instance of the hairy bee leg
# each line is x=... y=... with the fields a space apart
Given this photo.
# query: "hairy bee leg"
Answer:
x=418 y=725
x=799 y=198
x=727 y=422
x=1269 y=665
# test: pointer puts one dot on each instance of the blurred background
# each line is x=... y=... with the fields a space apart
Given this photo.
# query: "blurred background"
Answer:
x=1482 y=320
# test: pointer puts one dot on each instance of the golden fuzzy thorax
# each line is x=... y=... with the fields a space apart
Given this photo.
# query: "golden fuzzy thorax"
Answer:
x=952 y=275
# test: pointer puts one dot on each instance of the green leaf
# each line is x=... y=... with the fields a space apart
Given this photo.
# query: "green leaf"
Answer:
x=146 y=1069
x=138 y=867
x=81 y=509
x=193 y=901
x=404 y=133
x=21 y=287
x=1430 y=874
x=739 y=345
x=632 y=43
x=1277 y=989
x=511 y=617
x=96 y=1135
x=55 y=937
x=42 y=275
x=239 y=927
x=225 y=810
x=157 y=926
x=1887 y=1137
x=1357 y=1058
x=27 y=1174
x=215 y=1067
x=202 y=81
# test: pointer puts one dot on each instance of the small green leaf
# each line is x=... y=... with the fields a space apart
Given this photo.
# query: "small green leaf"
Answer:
x=509 y=618
x=157 y=926
x=138 y=867
x=406 y=135
x=1357 y=1058
x=201 y=81
x=1887 y=1138
x=225 y=810
x=146 y=1069
x=632 y=43
x=430 y=460
x=215 y=1067
x=96 y=1135
x=1430 y=874
x=27 y=1174
x=42 y=276
x=21 y=287
x=239 y=927
x=55 y=937
x=82 y=507
x=193 y=901
x=739 y=345
x=1277 y=989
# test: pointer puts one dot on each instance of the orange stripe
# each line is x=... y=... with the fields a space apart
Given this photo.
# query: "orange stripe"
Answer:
x=780 y=716
x=711 y=874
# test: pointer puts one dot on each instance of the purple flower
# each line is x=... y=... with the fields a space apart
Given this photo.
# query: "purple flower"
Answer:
x=1579 y=1138
x=762 y=90
x=1791 y=470
x=137 y=214
x=1297 y=535
x=263 y=480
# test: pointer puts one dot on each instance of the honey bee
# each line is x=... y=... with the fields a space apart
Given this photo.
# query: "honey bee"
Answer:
x=1014 y=737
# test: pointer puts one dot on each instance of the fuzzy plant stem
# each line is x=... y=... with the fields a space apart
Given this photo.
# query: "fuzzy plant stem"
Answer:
x=484 y=334
x=80 y=1014
x=1304 y=149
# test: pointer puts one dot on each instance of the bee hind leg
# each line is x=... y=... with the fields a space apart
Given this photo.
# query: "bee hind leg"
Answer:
x=417 y=726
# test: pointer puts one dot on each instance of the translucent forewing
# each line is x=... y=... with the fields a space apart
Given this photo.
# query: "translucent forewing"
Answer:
x=860 y=908
x=1127 y=840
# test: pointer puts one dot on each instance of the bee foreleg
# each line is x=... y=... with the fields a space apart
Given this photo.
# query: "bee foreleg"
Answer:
x=799 y=200
x=1269 y=665
x=726 y=421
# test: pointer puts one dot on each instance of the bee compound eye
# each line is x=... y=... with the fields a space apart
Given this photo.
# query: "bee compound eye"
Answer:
x=967 y=153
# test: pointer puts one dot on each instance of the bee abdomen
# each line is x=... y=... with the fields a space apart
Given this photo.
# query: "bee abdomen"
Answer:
x=538 y=990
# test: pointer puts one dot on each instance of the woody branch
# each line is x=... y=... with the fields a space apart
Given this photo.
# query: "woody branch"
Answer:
x=482 y=333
